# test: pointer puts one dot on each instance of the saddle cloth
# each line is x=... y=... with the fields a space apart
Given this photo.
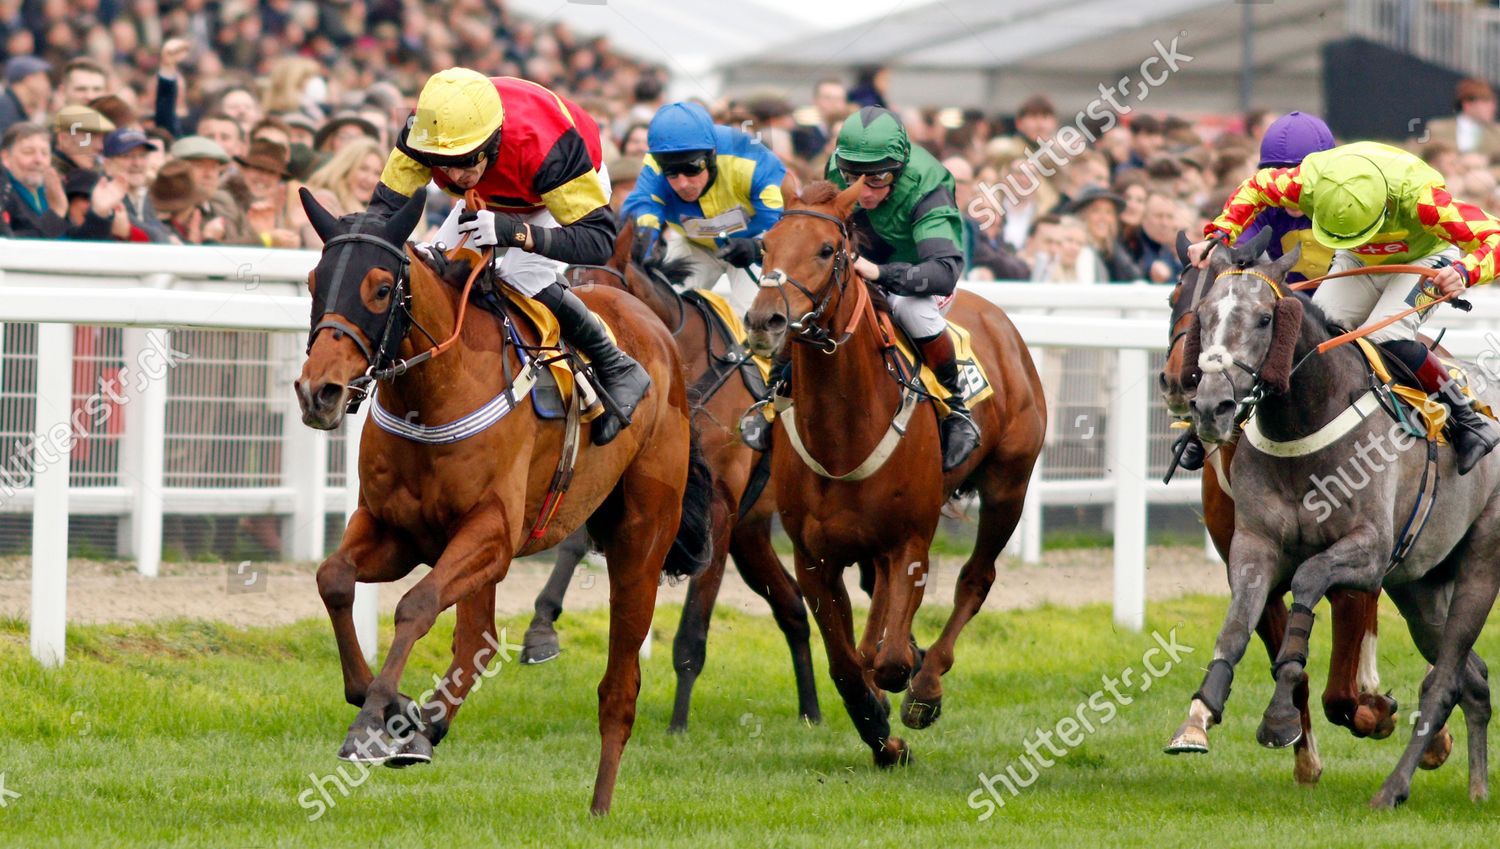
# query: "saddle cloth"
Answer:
x=555 y=385
x=1432 y=414
x=973 y=380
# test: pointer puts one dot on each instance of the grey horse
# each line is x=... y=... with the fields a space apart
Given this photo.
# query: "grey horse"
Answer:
x=1314 y=422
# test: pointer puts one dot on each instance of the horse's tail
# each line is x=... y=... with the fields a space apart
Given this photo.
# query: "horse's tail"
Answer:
x=693 y=547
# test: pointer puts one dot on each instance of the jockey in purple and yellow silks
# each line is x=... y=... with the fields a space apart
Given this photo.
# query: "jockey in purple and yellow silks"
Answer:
x=1374 y=204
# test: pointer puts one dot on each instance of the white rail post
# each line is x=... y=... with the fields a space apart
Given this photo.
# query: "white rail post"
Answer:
x=1130 y=432
x=366 y=596
x=52 y=447
x=1031 y=512
x=145 y=445
x=304 y=467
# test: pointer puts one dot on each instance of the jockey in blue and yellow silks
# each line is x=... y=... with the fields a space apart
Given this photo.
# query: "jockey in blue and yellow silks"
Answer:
x=717 y=187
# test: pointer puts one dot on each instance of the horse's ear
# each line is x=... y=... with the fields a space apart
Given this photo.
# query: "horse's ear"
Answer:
x=1182 y=247
x=1218 y=261
x=1281 y=267
x=844 y=203
x=401 y=225
x=323 y=223
x=1286 y=329
x=791 y=189
x=1246 y=253
x=620 y=259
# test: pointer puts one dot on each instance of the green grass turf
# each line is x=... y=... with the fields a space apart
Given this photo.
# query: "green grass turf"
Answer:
x=196 y=735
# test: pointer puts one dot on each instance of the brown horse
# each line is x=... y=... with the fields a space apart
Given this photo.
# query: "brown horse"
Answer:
x=718 y=397
x=883 y=515
x=465 y=504
x=1351 y=697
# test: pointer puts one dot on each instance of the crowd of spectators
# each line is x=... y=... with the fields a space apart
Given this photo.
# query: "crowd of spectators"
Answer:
x=196 y=122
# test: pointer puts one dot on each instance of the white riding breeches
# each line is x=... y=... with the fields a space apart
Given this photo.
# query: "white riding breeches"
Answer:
x=708 y=268
x=1362 y=299
x=921 y=316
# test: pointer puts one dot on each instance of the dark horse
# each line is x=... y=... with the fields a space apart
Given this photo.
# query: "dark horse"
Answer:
x=879 y=511
x=718 y=397
x=1315 y=416
x=465 y=506
x=1352 y=696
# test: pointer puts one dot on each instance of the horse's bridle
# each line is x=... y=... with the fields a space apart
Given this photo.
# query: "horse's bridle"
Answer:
x=398 y=317
x=807 y=329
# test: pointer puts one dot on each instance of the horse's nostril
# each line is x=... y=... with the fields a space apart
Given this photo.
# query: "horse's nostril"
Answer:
x=1161 y=379
x=329 y=394
x=776 y=323
x=1225 y=407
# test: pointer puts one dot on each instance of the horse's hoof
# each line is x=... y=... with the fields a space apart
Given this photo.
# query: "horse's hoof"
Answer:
x=917 y=713
x=1375 y=717
x=1437 y=751
x=675 y=727
x=1387 y=799
x=416 y=749
x=532 y=655
x=1189 y=740
x=812 y=717
x=895 y=752
x=1278 y=732
x=365 y=745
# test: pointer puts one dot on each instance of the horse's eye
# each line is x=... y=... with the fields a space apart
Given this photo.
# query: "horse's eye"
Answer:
x=1265 y=319
x=383 y=292
x=827 y=251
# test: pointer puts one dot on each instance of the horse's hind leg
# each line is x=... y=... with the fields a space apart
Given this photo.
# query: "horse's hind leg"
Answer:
x=540 y=643
x=1352 y=697
x=1002 y=498
x=690 y=646
x=369 y=552
x=1447 y=639
x=762 y=570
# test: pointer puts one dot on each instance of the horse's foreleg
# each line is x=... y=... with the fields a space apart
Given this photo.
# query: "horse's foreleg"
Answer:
x=475 y=646
x=999 y=512
x=895 y=658
x=756 y=560
x=540 y=643
x=476 y=556
x=372 y=553
x=1355 y=562
x=1252 y=573
x=823 y=585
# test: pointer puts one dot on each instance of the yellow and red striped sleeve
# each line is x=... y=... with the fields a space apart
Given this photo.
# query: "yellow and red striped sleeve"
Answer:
x=1473 y=230
x=1266 y=187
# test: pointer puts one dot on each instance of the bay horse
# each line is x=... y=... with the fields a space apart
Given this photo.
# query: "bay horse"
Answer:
x=1351 y=696
x=882 y=515
x=1313 y=416
x=465 y=504
x=718 y=397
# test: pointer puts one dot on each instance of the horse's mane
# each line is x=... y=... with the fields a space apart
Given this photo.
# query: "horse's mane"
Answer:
x=677 y=270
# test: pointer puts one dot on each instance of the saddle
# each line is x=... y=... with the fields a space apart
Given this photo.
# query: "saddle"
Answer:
x=754 y=371
x=1406 y=401
x=975 y=382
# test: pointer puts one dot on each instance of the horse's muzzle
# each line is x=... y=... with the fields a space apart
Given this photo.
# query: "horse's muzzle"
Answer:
x=322 y=404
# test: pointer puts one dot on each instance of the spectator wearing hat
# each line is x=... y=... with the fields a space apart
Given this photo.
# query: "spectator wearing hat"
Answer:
x=209 y=162
x=301 y=128
x=773 y=123
x=1099 y=209
x=77 y=138
x=125 y=164
x=27 y=91
x=181 y=203
x=346 y=182
x=342 y=129
x=273 y=212
x=1473 y=129
x=623 y=172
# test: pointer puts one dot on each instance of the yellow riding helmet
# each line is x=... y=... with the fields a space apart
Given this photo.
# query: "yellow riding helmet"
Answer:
x=457 y=112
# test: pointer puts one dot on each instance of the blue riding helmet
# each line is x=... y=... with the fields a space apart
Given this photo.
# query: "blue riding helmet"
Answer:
x=680 y=128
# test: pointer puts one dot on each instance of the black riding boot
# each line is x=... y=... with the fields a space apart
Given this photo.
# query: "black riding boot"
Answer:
x=755 y=429
x=1473 y=436
x=620 y=377
x=960 y=433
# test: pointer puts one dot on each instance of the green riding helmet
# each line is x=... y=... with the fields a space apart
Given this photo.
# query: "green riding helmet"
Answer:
x=871 y=141
x=1349 y=202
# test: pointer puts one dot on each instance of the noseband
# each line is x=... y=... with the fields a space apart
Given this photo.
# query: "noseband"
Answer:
x=807 y=328
x=397 y=317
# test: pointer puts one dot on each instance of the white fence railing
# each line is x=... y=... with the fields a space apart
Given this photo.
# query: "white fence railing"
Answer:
x=159 y=449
